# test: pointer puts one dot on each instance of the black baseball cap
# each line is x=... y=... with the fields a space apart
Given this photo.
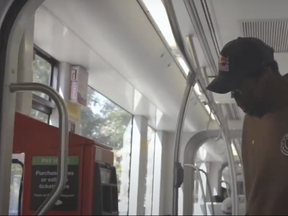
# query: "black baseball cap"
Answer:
x=240 y=58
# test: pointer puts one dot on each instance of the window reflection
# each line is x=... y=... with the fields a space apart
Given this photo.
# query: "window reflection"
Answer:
x=104 y=121
x=42 y=71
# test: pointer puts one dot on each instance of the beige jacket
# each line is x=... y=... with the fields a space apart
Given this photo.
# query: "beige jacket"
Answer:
x=265 y=163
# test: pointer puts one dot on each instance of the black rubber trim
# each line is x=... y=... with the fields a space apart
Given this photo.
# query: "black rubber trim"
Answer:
x=42 y=105
x=5 y=31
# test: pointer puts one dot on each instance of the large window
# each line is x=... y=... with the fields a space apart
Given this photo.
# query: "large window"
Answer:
x=105 y=122
x=148 y=204
x=44 y=70
x=42 y=73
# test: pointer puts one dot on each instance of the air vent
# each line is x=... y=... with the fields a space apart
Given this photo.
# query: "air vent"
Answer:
x=272 y=32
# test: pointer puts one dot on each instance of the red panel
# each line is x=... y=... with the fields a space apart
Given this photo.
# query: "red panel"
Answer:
x=27 y=132
x=88 y=179
x=36 y=138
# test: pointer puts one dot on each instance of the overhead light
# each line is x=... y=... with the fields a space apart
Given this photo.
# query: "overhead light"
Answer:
x=183 y=65
x=234 y=151
x=209 y=111
x=158 y=13
x=197 y=89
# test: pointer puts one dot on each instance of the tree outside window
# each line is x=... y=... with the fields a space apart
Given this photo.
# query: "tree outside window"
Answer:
x=42 y=71
x=105 y=122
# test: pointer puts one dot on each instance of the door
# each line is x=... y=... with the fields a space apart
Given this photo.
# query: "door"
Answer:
x=14 y=17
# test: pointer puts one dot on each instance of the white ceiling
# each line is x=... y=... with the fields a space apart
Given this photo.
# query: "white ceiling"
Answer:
x=121 y=50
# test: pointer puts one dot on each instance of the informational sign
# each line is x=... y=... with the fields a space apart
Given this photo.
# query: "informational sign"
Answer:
x=44 y=178
x=73 y=110
x=78 y=85
x=73 y=85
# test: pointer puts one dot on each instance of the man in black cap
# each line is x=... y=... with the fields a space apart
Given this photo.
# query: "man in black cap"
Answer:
x=248 y=70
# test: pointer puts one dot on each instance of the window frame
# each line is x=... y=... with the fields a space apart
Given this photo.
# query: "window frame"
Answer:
x=153 y=169
x=38 y=103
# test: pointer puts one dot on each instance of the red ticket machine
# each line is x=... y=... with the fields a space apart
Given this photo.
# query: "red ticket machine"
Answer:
x=91 y=186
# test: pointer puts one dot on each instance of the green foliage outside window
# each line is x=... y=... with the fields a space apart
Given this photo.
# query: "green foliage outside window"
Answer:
x=107 y=123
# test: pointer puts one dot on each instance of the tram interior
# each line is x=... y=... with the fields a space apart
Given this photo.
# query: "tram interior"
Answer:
x=136 y=79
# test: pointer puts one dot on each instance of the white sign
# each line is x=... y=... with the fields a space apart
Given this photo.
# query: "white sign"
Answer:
x=78 y=85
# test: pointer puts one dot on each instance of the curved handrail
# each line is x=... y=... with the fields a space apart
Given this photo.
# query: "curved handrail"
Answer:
x=63 y=140
x=201 y=185
x=229 y=187
x=209 y=185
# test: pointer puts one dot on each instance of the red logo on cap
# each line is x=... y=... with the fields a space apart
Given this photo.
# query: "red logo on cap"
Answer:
x=223 y=60
x=223 y=63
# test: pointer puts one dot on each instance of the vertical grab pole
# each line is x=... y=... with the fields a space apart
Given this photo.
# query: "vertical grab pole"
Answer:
x=191 y=80
x=63 y=141
x=177 y=168
x=208 y=183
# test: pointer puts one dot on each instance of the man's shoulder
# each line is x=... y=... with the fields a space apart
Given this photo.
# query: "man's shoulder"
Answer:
x=248 y=119
x=285 y=77
x=249 y=125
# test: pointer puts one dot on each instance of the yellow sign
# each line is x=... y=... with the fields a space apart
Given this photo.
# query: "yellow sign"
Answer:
x=144 y=144
x=73 y=110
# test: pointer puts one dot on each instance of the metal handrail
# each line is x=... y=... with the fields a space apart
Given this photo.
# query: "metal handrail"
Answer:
x=228 y=186
x=208 y=183
x=201 y=185
x=191 y=80
x=63 y=141
x=210 y=191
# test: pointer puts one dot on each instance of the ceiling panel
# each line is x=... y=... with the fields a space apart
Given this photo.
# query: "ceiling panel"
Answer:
x=272 y=32
x=121 y=50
